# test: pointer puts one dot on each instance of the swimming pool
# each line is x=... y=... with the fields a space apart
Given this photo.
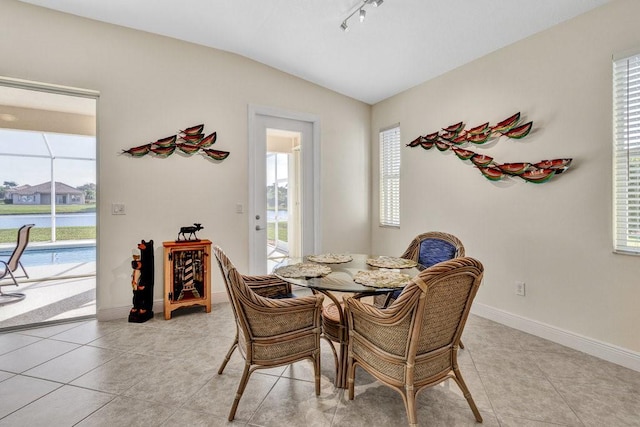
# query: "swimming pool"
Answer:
x=72 y=255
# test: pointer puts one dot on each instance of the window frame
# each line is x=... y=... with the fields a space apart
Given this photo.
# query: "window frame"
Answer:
x=390 y=165
x=626 y=152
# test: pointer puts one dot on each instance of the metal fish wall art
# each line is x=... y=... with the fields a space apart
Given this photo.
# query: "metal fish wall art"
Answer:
x=189 y=141
x=454 y=136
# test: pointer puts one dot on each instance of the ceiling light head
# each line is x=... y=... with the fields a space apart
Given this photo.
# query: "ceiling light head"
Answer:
x=361 y=11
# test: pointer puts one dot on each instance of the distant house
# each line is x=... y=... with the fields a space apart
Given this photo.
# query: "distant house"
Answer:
x=8 y=193
x=41 y=194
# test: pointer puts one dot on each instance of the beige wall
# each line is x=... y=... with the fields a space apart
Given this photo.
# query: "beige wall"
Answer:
x=150 y=87
x=556 y=237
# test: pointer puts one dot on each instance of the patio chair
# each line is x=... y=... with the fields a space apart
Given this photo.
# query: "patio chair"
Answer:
x=269 y=332
x=427 y=249
x=413 y=344
x=11 y=266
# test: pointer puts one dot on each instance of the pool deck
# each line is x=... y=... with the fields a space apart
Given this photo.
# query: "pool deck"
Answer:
x=54 y=292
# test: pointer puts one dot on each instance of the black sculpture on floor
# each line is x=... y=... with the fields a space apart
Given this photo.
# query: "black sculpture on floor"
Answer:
x=142 y=283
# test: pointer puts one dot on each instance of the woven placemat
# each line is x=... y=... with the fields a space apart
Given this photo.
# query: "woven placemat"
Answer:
x=391 y=262
x=300 y=270
x=330 y=258
x=382 y=278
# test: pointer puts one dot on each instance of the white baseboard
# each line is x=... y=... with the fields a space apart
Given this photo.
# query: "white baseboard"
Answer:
x=218 y=297
x=609 y=352
x=117 y=313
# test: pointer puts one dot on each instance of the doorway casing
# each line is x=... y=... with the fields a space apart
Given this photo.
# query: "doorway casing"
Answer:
x=259 y=119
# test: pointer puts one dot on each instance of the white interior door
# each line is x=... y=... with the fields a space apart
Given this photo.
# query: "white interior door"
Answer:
x=302 y=184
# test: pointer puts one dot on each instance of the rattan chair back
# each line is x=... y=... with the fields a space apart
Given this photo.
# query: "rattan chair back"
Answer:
x=429 y=248
x=270 y=332
x=413 y=344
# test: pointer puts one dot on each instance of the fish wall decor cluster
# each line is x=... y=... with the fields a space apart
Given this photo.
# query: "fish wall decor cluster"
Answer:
x=455 y=136
x=188 y=141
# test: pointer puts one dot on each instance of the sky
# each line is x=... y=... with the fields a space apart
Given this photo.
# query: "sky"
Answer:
x=18 y=161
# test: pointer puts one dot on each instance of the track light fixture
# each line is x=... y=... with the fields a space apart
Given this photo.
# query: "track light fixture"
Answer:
x=362 y=13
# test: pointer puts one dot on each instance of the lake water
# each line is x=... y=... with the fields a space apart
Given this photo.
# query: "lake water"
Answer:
x=283 y=216
x=44 y=220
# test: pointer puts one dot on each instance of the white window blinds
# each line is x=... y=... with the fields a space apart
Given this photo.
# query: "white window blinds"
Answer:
x=390 y=176
x=626 y=168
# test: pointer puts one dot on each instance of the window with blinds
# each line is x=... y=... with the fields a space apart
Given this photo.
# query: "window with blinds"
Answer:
x=390 y=176
x=626 y=168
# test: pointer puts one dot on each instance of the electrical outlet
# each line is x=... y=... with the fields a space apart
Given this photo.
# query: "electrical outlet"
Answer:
x=239 y=208
x=520 y=289
x=117 y=209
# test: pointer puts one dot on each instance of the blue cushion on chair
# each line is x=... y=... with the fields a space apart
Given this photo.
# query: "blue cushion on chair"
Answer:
x=433 y=251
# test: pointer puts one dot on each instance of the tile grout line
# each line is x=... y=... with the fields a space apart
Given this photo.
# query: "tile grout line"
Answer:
x=484 y=387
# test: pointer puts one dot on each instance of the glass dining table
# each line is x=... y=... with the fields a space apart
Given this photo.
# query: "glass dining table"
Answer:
x=339 y=278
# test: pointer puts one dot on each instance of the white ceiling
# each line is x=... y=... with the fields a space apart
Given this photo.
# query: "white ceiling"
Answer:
x=400 y=44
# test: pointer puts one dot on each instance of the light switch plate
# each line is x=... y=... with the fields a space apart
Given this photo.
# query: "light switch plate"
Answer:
x=117 y=209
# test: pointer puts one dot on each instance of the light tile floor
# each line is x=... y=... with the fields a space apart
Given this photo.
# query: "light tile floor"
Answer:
x=164 y=373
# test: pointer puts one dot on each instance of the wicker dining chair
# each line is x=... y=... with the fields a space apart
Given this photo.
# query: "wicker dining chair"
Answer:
x=427 y=249
x=413 y=344
x=269 y=332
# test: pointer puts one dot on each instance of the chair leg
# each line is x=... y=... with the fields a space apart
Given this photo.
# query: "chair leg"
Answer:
x=10 y=273
x=351 y=377
x=387 y=300
x=228 y=356
x=461 y=345
x=316 y=369
x=23 y=270
x=335 y=355
x=467 y=394
x=241 y=387
x=409 y=398
x=6 y=298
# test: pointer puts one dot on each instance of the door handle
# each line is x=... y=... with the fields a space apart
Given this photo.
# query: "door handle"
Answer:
x=258 y=228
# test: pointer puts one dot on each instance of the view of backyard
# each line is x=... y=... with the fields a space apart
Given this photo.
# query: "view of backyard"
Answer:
x=47 y=178
x=271 y=231
x=277 y=196
x=43 y=234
